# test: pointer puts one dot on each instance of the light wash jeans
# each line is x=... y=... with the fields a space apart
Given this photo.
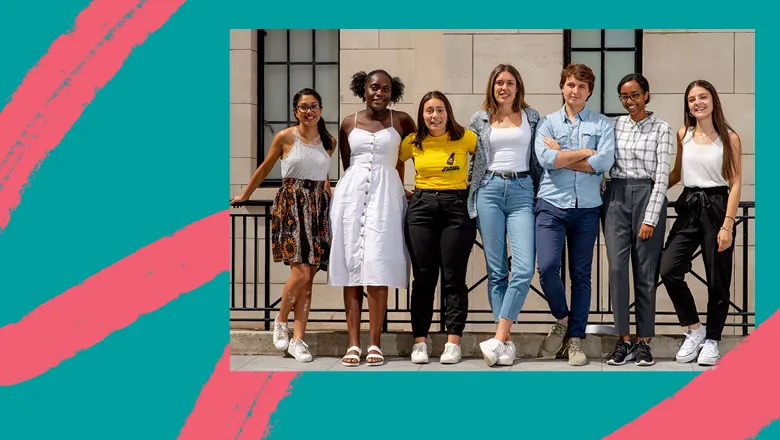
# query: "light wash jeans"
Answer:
x=506 y=206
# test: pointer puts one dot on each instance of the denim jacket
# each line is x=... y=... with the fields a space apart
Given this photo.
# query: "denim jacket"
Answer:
x=480 y=124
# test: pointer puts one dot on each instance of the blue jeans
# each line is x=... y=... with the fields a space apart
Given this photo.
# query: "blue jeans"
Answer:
x=578 y=227
x=507 y=206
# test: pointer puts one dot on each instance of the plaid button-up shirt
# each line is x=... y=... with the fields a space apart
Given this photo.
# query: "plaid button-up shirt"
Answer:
x=644 y=151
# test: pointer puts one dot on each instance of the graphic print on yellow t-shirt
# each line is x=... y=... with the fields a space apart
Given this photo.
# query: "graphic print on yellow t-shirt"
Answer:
x=441 y=164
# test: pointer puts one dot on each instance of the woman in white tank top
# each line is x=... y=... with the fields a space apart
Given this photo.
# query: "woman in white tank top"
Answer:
x=710 y=168
x=504 y=180
x=299 y=218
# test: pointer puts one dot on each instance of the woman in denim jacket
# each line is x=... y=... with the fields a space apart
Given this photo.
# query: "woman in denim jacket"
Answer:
x=504 y=179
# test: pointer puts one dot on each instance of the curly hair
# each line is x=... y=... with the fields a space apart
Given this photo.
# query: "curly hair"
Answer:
x=359 y=80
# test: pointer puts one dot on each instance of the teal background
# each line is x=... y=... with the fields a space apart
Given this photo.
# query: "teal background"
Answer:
x=150 y=155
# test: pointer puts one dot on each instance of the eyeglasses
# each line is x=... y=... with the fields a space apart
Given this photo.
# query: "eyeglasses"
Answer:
x=304 y=108
x=634 y=97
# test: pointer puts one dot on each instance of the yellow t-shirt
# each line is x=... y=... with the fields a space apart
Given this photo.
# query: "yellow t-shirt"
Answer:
x=441 y=164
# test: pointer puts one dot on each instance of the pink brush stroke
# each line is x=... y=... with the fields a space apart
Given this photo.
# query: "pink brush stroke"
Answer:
x=236 y=405
x=43 y=125
x=51 y=98
x=114 y=298
x=728 y=401
x=51 y=71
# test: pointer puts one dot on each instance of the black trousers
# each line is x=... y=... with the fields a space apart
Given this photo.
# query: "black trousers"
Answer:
x=439 y=235
x=701 y=213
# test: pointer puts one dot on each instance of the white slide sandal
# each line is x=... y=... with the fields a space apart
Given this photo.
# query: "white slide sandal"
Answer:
x=356 y=357
x=379 y=356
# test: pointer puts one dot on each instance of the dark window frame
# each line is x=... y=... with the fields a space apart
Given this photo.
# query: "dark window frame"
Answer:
x=637 y=49
x=261 y=63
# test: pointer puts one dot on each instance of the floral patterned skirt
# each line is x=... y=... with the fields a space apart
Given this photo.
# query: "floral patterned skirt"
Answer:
x=299 y=223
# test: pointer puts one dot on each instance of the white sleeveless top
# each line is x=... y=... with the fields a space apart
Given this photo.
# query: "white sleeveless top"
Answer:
x=510 y=148
x=702 y=164
x=305 y=161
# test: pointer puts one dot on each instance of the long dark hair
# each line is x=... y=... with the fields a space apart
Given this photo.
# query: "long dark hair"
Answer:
x=719 y=122
x=325 y=137
x=455 y=130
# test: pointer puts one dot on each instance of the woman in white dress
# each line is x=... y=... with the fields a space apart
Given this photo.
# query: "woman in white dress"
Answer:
x=368 y=209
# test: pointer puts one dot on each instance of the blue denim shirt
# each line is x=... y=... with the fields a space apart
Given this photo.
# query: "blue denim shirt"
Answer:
x=565 y=188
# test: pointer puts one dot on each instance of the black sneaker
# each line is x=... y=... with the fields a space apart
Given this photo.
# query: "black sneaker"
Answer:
x=624 y=352
x=644 y=358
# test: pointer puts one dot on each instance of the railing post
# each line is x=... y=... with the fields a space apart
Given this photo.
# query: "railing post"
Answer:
x=745 y=266
x=233 y=262
x=243 y=262
x=257 y=262
x=598 y=271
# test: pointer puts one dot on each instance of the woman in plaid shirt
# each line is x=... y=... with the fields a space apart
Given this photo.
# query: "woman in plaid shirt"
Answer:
x=635 y=216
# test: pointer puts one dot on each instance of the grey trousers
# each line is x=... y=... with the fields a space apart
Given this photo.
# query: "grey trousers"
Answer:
x=625 y=201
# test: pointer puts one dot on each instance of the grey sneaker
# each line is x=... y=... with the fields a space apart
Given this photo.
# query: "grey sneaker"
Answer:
x=577 y=357
x=553 y=343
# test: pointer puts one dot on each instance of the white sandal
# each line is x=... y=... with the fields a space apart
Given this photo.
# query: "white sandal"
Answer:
x=352 y=356
x=376 y=356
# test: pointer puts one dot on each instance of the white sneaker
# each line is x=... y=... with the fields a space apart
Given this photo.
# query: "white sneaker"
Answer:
x=690 y=348
x=709 y=355
x=509 y=355
x=281 y=335
x=451 y=353
x=299 y=350
x=420 y=353
x=492 y=349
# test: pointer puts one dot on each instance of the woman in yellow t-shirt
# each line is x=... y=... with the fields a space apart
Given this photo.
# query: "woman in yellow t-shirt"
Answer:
x=439 y=232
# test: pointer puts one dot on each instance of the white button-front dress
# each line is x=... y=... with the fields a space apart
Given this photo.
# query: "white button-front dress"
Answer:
x=367 y=214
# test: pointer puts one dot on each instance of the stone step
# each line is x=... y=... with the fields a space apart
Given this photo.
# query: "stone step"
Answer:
x=335 y=343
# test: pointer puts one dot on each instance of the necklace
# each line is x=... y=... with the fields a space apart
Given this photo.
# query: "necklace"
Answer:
x=701 y=134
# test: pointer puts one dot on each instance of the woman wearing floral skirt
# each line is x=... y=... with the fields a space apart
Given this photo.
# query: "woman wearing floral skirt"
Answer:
x=300 y=236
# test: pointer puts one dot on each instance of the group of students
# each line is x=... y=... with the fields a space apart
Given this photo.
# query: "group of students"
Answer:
x=535 y=182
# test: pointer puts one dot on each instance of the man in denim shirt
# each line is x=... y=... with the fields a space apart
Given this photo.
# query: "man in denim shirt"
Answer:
x=575 y=146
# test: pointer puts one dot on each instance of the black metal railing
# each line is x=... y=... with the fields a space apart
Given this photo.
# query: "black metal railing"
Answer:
x=263 y=304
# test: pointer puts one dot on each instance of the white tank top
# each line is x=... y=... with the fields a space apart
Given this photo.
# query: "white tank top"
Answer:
x=510 y=148
x=702 y=164
x=305 y=161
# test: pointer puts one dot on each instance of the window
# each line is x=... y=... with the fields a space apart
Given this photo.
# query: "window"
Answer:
x=292 y=60
x=612 y=54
